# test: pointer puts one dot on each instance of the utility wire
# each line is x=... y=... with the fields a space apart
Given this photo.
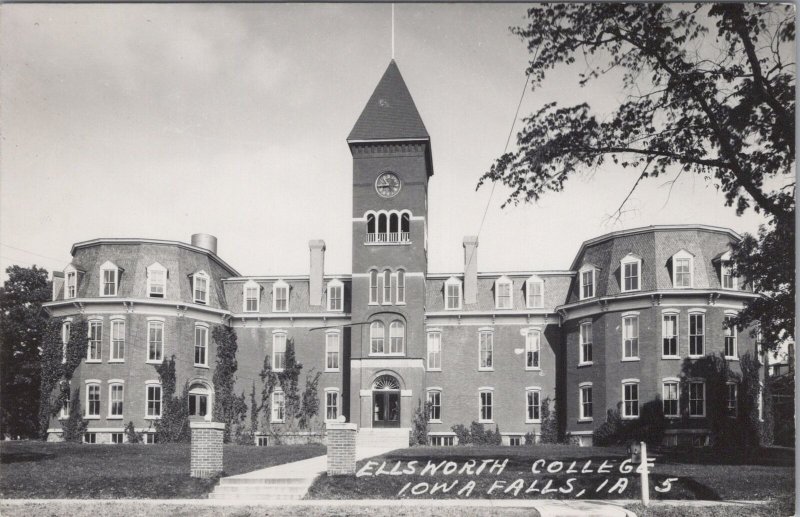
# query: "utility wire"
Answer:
x=31 y=252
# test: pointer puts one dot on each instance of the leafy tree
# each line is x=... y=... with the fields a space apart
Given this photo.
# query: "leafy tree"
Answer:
x=710 y=91
x=228 y=407
x=23 y=322
x=173 y=426
x=309 y=407
x=419 y=425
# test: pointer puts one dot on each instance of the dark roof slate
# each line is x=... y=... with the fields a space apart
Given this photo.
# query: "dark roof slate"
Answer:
x=390 y=112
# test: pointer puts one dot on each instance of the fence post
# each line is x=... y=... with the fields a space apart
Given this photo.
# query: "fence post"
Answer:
x=645 y=476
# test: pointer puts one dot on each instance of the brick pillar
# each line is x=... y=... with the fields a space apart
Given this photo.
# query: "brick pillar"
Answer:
x=206 y=448
x=341 y=448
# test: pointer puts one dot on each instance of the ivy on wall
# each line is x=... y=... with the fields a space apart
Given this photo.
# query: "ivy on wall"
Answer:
x=173 y=426
x=229 y=408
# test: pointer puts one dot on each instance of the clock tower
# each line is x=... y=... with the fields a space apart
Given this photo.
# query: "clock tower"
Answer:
x=391 y=167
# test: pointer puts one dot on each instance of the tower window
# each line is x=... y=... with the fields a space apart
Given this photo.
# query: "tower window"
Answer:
x=373 y=286
x=376 y=338
x=387 y=287
x=390 y=227
x=397 y=337
x=401 y=286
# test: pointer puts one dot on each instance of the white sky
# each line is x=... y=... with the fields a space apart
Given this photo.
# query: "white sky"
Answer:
x=161 y=121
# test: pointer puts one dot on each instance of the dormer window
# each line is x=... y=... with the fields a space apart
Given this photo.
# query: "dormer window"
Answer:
x=502 y=293
x=682 y=269
x=280 y=296
x=452 y=294
x=200 y=287
x=251 y=295
x=534 y=293
x=631 y=273
x=587 y=280
x=335 y=295
x=727 y=278
x=156 y=281
x=70 y=282
x=109 y=279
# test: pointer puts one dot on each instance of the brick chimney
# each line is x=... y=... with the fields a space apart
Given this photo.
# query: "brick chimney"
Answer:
x=470 y=269
x=316 y=271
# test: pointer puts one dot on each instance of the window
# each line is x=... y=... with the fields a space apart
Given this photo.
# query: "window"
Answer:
x=153 y=401
x=397 y=337
x=630 y=337
x=401 y=286
x=669 y=335
x=586 y=402
x=435 y=351
x=630 y=398
x=262 y=441
x=533 y=406
x=117 y=340
x=503 y=293
x=730 y=337
x=532 y=345
x=66 y=328
x=728 y=279
x=486 y=349
x=156 y=281
x=332 y=351
x=148 y=438
x=373 y=286
x=587 y=282
x=696 y=334
x=116 y=397
x=631 y=267
x=278 y=406
x=65 y=404
x=392 y=227
x=669 y=396
x=586 y=343
x=252 y=295
x=442 y=440
x=200 y=345
x=731 y=399
x=93 y=400
x=697 y=395
x=71 y=283
x=682 y=269
x=387 y=287
x=534 y=292
x=200 y=287
x=198 y=402
x=117 y=438
x=376 y=338
x=95 y=341
x=280 y=296
x=514 y=441
x=89 y=437
x=335 y=295
x=155 y=341
x=331 y=405
x=278 y=351
x=109 y=276
x=435 y=405
x=452 y=294
x=485 y=406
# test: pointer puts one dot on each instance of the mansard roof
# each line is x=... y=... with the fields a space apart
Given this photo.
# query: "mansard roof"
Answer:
x=390 y=113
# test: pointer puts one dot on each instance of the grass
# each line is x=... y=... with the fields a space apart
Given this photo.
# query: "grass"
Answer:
x=65 y=470
x=700 y=475
x=781 y=507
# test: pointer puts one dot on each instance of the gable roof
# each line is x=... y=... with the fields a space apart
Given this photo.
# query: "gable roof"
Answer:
x=390 y=113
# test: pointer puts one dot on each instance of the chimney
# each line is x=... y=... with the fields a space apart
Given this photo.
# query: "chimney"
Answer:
x=205 y=241
x=470 y=269
x=316 y=271
x=58 y=283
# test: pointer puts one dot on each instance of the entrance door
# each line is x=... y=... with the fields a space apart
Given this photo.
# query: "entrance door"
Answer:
x=385 y=409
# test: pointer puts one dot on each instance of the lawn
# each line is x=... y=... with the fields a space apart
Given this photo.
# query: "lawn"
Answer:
x=700 y=475
x=64 y=470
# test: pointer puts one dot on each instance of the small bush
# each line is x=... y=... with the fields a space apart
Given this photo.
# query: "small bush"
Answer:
x=549 y=423
x=609 y=431
x=478 y=433
x=419 y=426
x=530 y=438
x=462 y=434
x=131 y=434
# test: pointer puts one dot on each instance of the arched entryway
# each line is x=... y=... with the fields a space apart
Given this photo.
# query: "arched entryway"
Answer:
x=201 y=400
x=386 y=402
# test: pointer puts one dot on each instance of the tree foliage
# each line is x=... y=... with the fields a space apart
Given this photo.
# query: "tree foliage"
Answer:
x=228 y=407
x=710 y=90
x=419 y=425
x=173 y=426
x=74 y=426
x=23 y=323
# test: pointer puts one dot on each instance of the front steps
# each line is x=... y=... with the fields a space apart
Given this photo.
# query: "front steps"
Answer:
x=261 y=489
x=386 y=438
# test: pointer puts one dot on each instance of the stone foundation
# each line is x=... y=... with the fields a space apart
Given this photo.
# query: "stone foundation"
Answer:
x=206 y=448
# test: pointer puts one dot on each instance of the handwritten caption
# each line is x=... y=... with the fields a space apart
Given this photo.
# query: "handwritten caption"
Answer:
x=610 y=477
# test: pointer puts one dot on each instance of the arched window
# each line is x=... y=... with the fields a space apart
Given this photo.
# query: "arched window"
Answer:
x=405 y=226
x=394 y=227
x=373 y=286
x=397 y=337
x=401 y=286
x=371 y=228
x=381 y=228
x=502 y=294
x=387 y=286
x=109 y=279
x=156 y=281
x=200 y=397
x=376 y=338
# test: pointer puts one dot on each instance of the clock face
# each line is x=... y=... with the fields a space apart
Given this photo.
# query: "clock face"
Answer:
x=388 y=184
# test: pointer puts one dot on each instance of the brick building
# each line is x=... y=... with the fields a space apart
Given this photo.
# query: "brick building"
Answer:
x=612 y=329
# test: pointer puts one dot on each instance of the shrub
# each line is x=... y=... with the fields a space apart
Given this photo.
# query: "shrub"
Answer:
x=530 y=438
x=478 y=433
x=131 y=434
x=173 y=426
x=419 y=426
x=609 y=431
x=462 y=434
x=75 y=425
x=549 y=423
